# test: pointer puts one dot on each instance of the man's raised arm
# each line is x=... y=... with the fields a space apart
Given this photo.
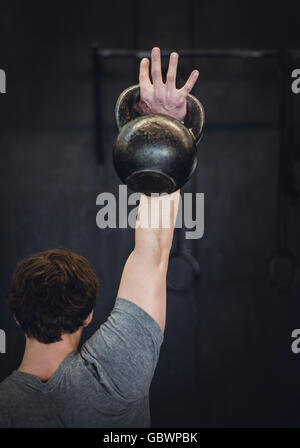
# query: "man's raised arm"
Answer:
x=144 y=276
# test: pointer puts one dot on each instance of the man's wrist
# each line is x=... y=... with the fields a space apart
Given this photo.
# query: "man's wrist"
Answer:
x=142 y=108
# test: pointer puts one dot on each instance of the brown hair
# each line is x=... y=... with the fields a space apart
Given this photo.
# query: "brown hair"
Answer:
x=52 y=293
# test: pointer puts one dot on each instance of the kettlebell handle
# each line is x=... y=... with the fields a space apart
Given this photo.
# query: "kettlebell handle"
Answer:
x=125 y=112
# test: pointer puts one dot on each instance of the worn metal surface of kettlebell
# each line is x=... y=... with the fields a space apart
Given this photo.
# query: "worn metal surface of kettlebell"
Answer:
x=155 y=153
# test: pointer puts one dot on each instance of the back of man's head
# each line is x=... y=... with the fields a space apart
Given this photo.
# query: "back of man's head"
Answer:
x=52 y=293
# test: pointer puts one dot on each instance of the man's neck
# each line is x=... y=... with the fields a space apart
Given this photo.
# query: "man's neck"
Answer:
x=42 y=360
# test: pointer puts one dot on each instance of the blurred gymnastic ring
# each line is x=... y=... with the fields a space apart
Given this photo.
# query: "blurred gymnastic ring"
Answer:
x=191 y=261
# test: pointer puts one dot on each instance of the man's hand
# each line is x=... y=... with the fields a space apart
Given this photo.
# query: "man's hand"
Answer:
x=160 y=97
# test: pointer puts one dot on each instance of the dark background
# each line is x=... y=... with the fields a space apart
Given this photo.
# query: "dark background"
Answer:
x=226 y=359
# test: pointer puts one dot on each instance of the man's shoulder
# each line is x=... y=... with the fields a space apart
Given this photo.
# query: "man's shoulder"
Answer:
x=7 y=385
x=8 y=399
x=8 y=395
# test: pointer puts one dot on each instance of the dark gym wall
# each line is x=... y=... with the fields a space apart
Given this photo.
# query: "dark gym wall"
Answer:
x=226 y=357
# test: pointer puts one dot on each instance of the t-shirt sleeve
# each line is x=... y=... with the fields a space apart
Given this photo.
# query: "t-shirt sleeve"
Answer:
x=125 y=350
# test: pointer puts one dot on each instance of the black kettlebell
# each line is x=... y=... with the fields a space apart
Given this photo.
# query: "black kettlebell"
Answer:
x=155 y=153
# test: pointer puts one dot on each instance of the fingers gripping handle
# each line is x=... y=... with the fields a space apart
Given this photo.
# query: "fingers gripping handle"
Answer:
x=125 y=112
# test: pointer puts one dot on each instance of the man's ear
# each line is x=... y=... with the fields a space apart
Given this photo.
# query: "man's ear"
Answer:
x=16 y=321
x=88 y=320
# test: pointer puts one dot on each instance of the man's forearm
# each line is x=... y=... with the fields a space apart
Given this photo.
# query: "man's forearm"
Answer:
x=155 y=226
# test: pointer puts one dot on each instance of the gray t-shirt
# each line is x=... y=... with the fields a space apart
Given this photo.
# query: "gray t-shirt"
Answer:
x=105 y=385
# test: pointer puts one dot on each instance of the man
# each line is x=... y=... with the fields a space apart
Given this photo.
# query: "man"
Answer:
x=53 y=296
